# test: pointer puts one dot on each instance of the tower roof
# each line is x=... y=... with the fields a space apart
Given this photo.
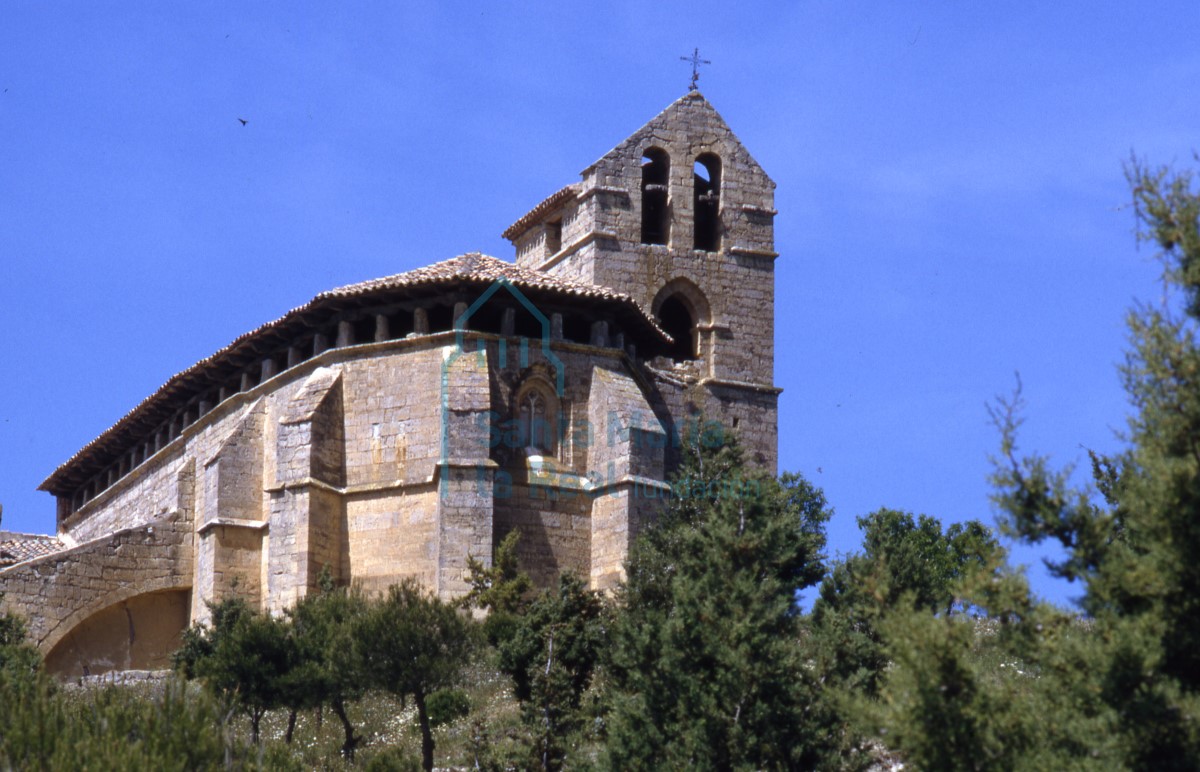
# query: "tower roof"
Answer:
x=690 y=118
x=689 y=114
x=551 y=202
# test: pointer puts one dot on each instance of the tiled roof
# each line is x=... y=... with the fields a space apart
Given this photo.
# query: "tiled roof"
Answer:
x=485 y=269
x=553 y=200
x=26 y=547
x=473 y=268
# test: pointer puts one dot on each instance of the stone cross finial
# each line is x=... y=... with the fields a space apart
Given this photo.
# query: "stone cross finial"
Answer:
x=696 y=62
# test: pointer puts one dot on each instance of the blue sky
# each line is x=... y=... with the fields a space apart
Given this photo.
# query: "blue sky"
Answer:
x=951 y=196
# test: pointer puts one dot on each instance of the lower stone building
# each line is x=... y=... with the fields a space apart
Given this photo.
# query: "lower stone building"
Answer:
x=400 y=426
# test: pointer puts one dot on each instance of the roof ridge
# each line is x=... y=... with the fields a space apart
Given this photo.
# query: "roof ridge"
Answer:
x=565 y=193
x=477 y=265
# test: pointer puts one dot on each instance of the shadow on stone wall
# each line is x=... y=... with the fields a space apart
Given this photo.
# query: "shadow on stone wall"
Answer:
x=136 y=634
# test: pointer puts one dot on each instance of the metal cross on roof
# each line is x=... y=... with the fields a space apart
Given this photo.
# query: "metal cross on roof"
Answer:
x=696 y=62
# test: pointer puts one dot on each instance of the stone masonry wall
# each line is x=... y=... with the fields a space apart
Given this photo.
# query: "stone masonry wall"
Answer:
x=231 y=526
x=148 y=492
x=393 y=535
x=731 y=290
x=629 y=451
x=555 y=526
x=151 y=489
x=466 y=470
x=306 y=507
x=59 y=591
x=551 y=505
x=342 y=461
x=393 y=442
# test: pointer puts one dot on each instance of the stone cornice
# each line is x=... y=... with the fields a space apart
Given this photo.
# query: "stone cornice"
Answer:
x=732 y=384
x=749 y=252
x=234 y=522
x=574 y=247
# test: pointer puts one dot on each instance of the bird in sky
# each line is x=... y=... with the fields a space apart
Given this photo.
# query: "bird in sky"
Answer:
x=244 y=121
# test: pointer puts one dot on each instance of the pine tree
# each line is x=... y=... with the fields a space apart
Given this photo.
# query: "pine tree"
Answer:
x=1134 y=537
x=1122 y=688
x=551 y=655
x=905 y=563
x=705 y=667
x=324 y=626
x=412 y=644
x=245 y=657
x=502 y=589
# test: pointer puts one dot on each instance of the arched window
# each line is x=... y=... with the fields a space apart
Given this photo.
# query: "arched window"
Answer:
x=676 y=319
x=656 y=205
x=682 y=311
x=536 y=412
x=707 y=211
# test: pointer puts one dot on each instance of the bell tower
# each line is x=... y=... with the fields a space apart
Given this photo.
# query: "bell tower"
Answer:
x=680 y=217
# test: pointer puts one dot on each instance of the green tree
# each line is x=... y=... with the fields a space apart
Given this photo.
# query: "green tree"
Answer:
x=502 y=589
x=906 y=562
x=330 y=668
x=551 y=656
x=1122 y=689
x=996 y=689
x=917 y=560
x=1132 y=537
x=705 y=668
x=413 y=644
x=244 y=656
x=18 y=657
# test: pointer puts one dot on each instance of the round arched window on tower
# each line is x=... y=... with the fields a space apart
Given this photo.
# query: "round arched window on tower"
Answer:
x=676 y=318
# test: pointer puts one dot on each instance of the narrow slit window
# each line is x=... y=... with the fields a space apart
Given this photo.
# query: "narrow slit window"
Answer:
x=553 y=237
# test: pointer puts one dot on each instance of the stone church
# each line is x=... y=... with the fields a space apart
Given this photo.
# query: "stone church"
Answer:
x=395 y=427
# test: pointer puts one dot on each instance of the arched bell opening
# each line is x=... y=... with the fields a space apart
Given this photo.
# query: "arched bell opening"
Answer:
x=707 y=211
x=656 y=204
